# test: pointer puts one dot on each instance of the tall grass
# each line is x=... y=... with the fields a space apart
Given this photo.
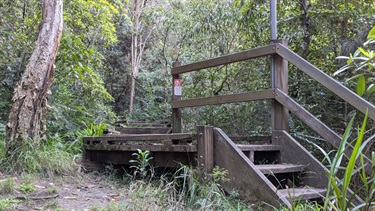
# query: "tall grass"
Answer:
x=339 y=195
x=54 y=156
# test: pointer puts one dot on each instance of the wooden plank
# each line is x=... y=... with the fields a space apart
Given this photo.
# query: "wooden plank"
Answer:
x=280 y=115
x=315 y=173
x=236 y=57
x=309 y=119
x=222 y=99
x=257 y=139
x=205 y=148
x=139 y=137
x=280 y=168
x=176 y=112
x=245 y=178
x=314 y=123
x=150 y=147
x=327 y=81
x=144 y=130
x=246 y=147
x=302 y=194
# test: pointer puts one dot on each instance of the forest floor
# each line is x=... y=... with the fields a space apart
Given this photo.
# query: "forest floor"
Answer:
x=84 y=192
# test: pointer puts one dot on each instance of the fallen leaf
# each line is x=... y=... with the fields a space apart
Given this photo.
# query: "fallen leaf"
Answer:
x=70 y=197
x=38 y=186
x=89 y=186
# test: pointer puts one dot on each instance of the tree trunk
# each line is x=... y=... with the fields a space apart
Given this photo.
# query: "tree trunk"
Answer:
x=134 y=53
x=31 y=92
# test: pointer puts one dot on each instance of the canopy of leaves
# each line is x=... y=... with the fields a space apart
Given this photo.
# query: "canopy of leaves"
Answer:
x=93 y=64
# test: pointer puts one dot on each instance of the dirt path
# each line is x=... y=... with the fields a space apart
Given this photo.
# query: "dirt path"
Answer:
x=87 y=192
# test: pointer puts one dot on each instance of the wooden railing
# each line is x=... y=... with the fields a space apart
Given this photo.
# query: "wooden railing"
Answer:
x=281 y=102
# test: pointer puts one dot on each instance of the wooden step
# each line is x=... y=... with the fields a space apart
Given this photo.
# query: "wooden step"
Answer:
x=280 y=168
x=124 y=138
x=250 y=149
x=246 y=147
x=305 y=193
x=144 y=130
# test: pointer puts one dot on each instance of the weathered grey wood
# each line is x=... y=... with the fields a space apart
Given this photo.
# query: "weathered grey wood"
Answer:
x=205 y=149
x=260 y=139
x=176 y=112
x=143 y=125
x=160 y=159
x=139 y=137
x=279 y=113
x=315 y=124
x=111 y=131
x=279 y=168
x=144 y=130
x=302 y=194
x=243 y=175
x=150 y=147
x=315 y=172
x=246 y=147
x=221 y=99
x=236 y=57
x=327 y=81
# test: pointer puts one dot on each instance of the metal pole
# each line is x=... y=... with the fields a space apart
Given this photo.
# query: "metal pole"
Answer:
x=273 y=29
x=273 y=20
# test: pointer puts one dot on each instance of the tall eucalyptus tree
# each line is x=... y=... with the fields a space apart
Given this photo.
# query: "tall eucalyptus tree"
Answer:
x=31 y=93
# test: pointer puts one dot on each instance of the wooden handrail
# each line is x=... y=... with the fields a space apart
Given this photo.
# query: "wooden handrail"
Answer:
x=314 y=123
x=236 y=57
x=221 y=99
x=280 y=95
x=327 y=81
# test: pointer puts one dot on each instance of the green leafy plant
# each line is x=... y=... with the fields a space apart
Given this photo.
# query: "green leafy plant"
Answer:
x=220 y=174
x=27 y=188
x=7 y=186
x=7 y=204
x=362 y=62
x=142 y=165
x=338 y=195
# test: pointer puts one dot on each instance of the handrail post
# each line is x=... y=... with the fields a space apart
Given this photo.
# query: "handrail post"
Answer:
x=205 y=148
x=280 y=114
x=176 y=112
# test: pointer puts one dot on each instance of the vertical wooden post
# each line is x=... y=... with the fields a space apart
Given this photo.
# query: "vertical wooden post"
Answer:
x=205 y=148
x=280 y=114
x=176 y=112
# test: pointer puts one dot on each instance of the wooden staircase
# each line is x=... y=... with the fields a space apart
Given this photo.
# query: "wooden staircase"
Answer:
x=278 y=171
x=264 y=172
x=270 y=170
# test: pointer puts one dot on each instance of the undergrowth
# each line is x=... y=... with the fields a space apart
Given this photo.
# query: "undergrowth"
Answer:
x=54 y=156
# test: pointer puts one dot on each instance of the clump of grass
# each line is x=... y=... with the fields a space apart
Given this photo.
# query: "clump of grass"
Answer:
x=7 y=186
x=27 y=188
x=49 y=159
x=8 y=204
x=142 y=167
x=339 y=195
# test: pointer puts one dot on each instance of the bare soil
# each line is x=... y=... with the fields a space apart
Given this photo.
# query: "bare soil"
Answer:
x=84 y=192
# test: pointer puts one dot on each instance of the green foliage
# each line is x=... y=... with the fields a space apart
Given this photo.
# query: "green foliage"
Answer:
x=362 y=63
x=338 y=196
x=220 y=174
x=201 y=194
x=7 y=186
x=27 y=188
x=49 y=159
x=142 y=165
x=7 y=204
x=18 y=30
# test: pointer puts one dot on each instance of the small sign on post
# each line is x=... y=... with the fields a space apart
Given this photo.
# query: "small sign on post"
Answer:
x=177 y=87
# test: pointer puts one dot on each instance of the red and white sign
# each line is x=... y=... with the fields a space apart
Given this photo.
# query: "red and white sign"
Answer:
x=177 y=87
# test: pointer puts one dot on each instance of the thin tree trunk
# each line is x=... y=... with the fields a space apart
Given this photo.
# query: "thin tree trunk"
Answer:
x=134 y=53
x=31 y=92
